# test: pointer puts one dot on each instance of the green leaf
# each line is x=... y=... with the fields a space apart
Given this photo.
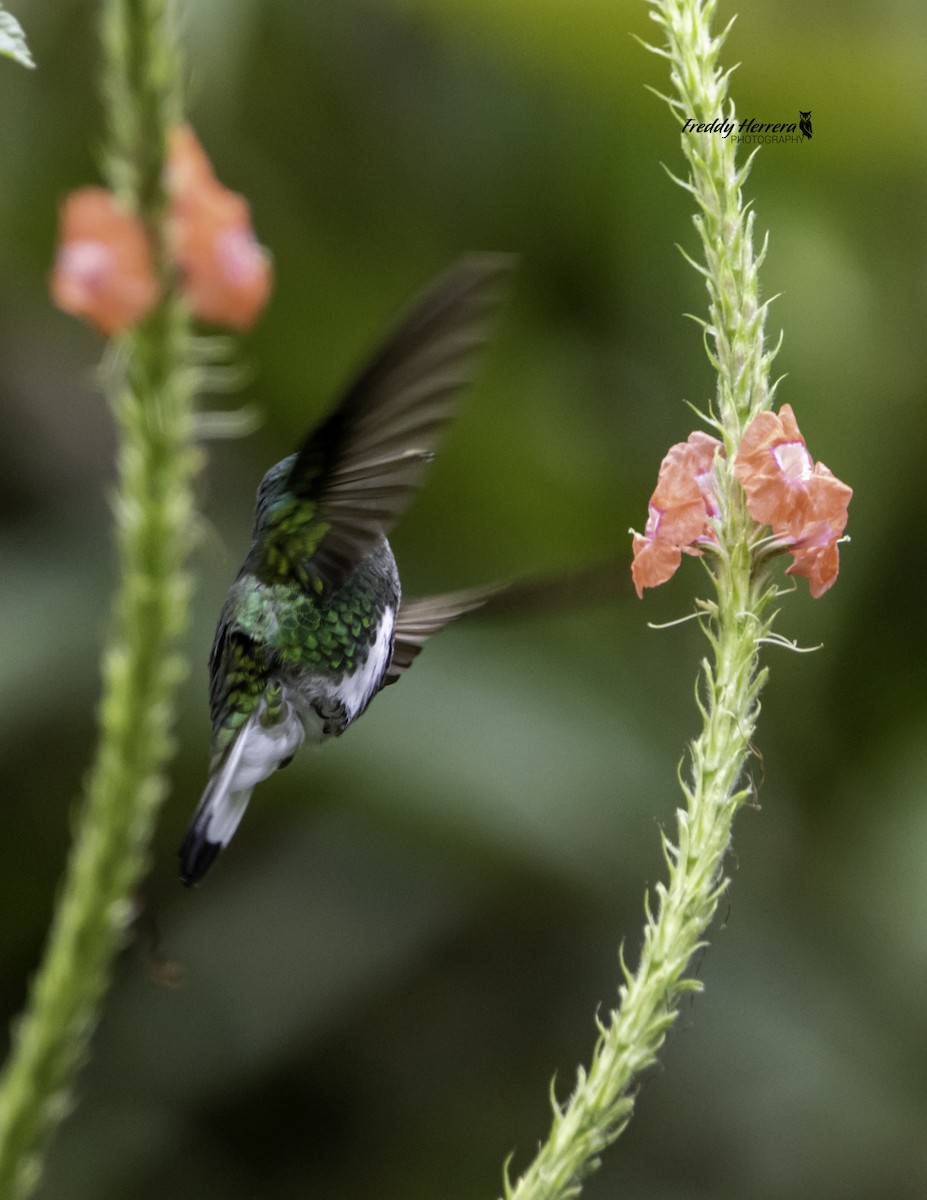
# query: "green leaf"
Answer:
x=13 y=40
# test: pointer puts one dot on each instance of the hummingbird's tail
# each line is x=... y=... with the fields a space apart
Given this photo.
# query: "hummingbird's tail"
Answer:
x=217 y=817
x=256 y=753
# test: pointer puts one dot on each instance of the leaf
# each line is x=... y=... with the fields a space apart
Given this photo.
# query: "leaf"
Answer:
x=13 y=40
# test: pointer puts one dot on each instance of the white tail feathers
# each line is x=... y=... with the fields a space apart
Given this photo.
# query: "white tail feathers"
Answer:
x=256 y=753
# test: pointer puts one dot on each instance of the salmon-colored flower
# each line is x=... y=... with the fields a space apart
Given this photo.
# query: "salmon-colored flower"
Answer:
x=655 y=561
x=680 y=508
x=814 y=549
x=103 y=269
x=817 y=559
x=802 y=501
x=227 y=275
x=187 y=166
x=774 y=467
x=104 y=272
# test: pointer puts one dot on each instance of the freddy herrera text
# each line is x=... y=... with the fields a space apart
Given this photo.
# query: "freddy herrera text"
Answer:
x=748 y=125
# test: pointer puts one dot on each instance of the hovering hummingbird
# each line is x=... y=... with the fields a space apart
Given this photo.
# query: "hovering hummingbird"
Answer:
x=315 y=624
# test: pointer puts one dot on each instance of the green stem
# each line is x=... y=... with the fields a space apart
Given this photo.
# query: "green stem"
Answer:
x=151 y=389
x=736 y=621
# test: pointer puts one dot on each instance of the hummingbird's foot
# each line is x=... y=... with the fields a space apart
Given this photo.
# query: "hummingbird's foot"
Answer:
x=334 y=719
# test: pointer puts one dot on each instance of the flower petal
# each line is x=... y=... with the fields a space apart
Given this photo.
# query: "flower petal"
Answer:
x=678 y=495
x=227 y=275
x=773 y=466
x=679 y=511
x=703 y=450
x=828 y=500
x=103 y=269
x=187 y=167
x=819 y=564
x=815 y=552
x=655 y=561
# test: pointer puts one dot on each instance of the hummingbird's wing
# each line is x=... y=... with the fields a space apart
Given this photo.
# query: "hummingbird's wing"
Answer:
x=418 y=620
x=237 y=679
x=355 y=473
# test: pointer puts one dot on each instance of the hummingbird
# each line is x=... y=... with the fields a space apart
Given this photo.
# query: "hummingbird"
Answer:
x=315 y=624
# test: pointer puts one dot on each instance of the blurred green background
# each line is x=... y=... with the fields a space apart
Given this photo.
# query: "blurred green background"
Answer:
x=417 y=923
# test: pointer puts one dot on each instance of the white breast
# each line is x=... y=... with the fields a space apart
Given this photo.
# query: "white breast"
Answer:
x=355 y=691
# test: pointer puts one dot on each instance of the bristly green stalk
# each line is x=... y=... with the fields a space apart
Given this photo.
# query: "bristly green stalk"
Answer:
x=151 y=387
x=736 y=621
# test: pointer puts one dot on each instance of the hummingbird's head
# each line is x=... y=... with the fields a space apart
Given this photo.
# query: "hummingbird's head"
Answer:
x=271 y=488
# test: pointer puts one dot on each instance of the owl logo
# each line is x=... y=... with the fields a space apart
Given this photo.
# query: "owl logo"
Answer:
x=805 y=123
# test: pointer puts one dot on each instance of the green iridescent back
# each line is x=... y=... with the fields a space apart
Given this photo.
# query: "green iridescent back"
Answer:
x=283 y=630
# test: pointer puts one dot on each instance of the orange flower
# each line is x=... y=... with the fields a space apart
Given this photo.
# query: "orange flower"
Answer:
x=818 y=561
x=187 y=166
x=655 y=561
x=103 y=269
x=774 y=467
x=815 y=548
x=679 y=511
x=803 y=502
x=227 y=275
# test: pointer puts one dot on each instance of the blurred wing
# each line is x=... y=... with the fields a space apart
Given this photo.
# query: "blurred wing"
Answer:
x=237 y=679
x=355 y=474
x=418 y=620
